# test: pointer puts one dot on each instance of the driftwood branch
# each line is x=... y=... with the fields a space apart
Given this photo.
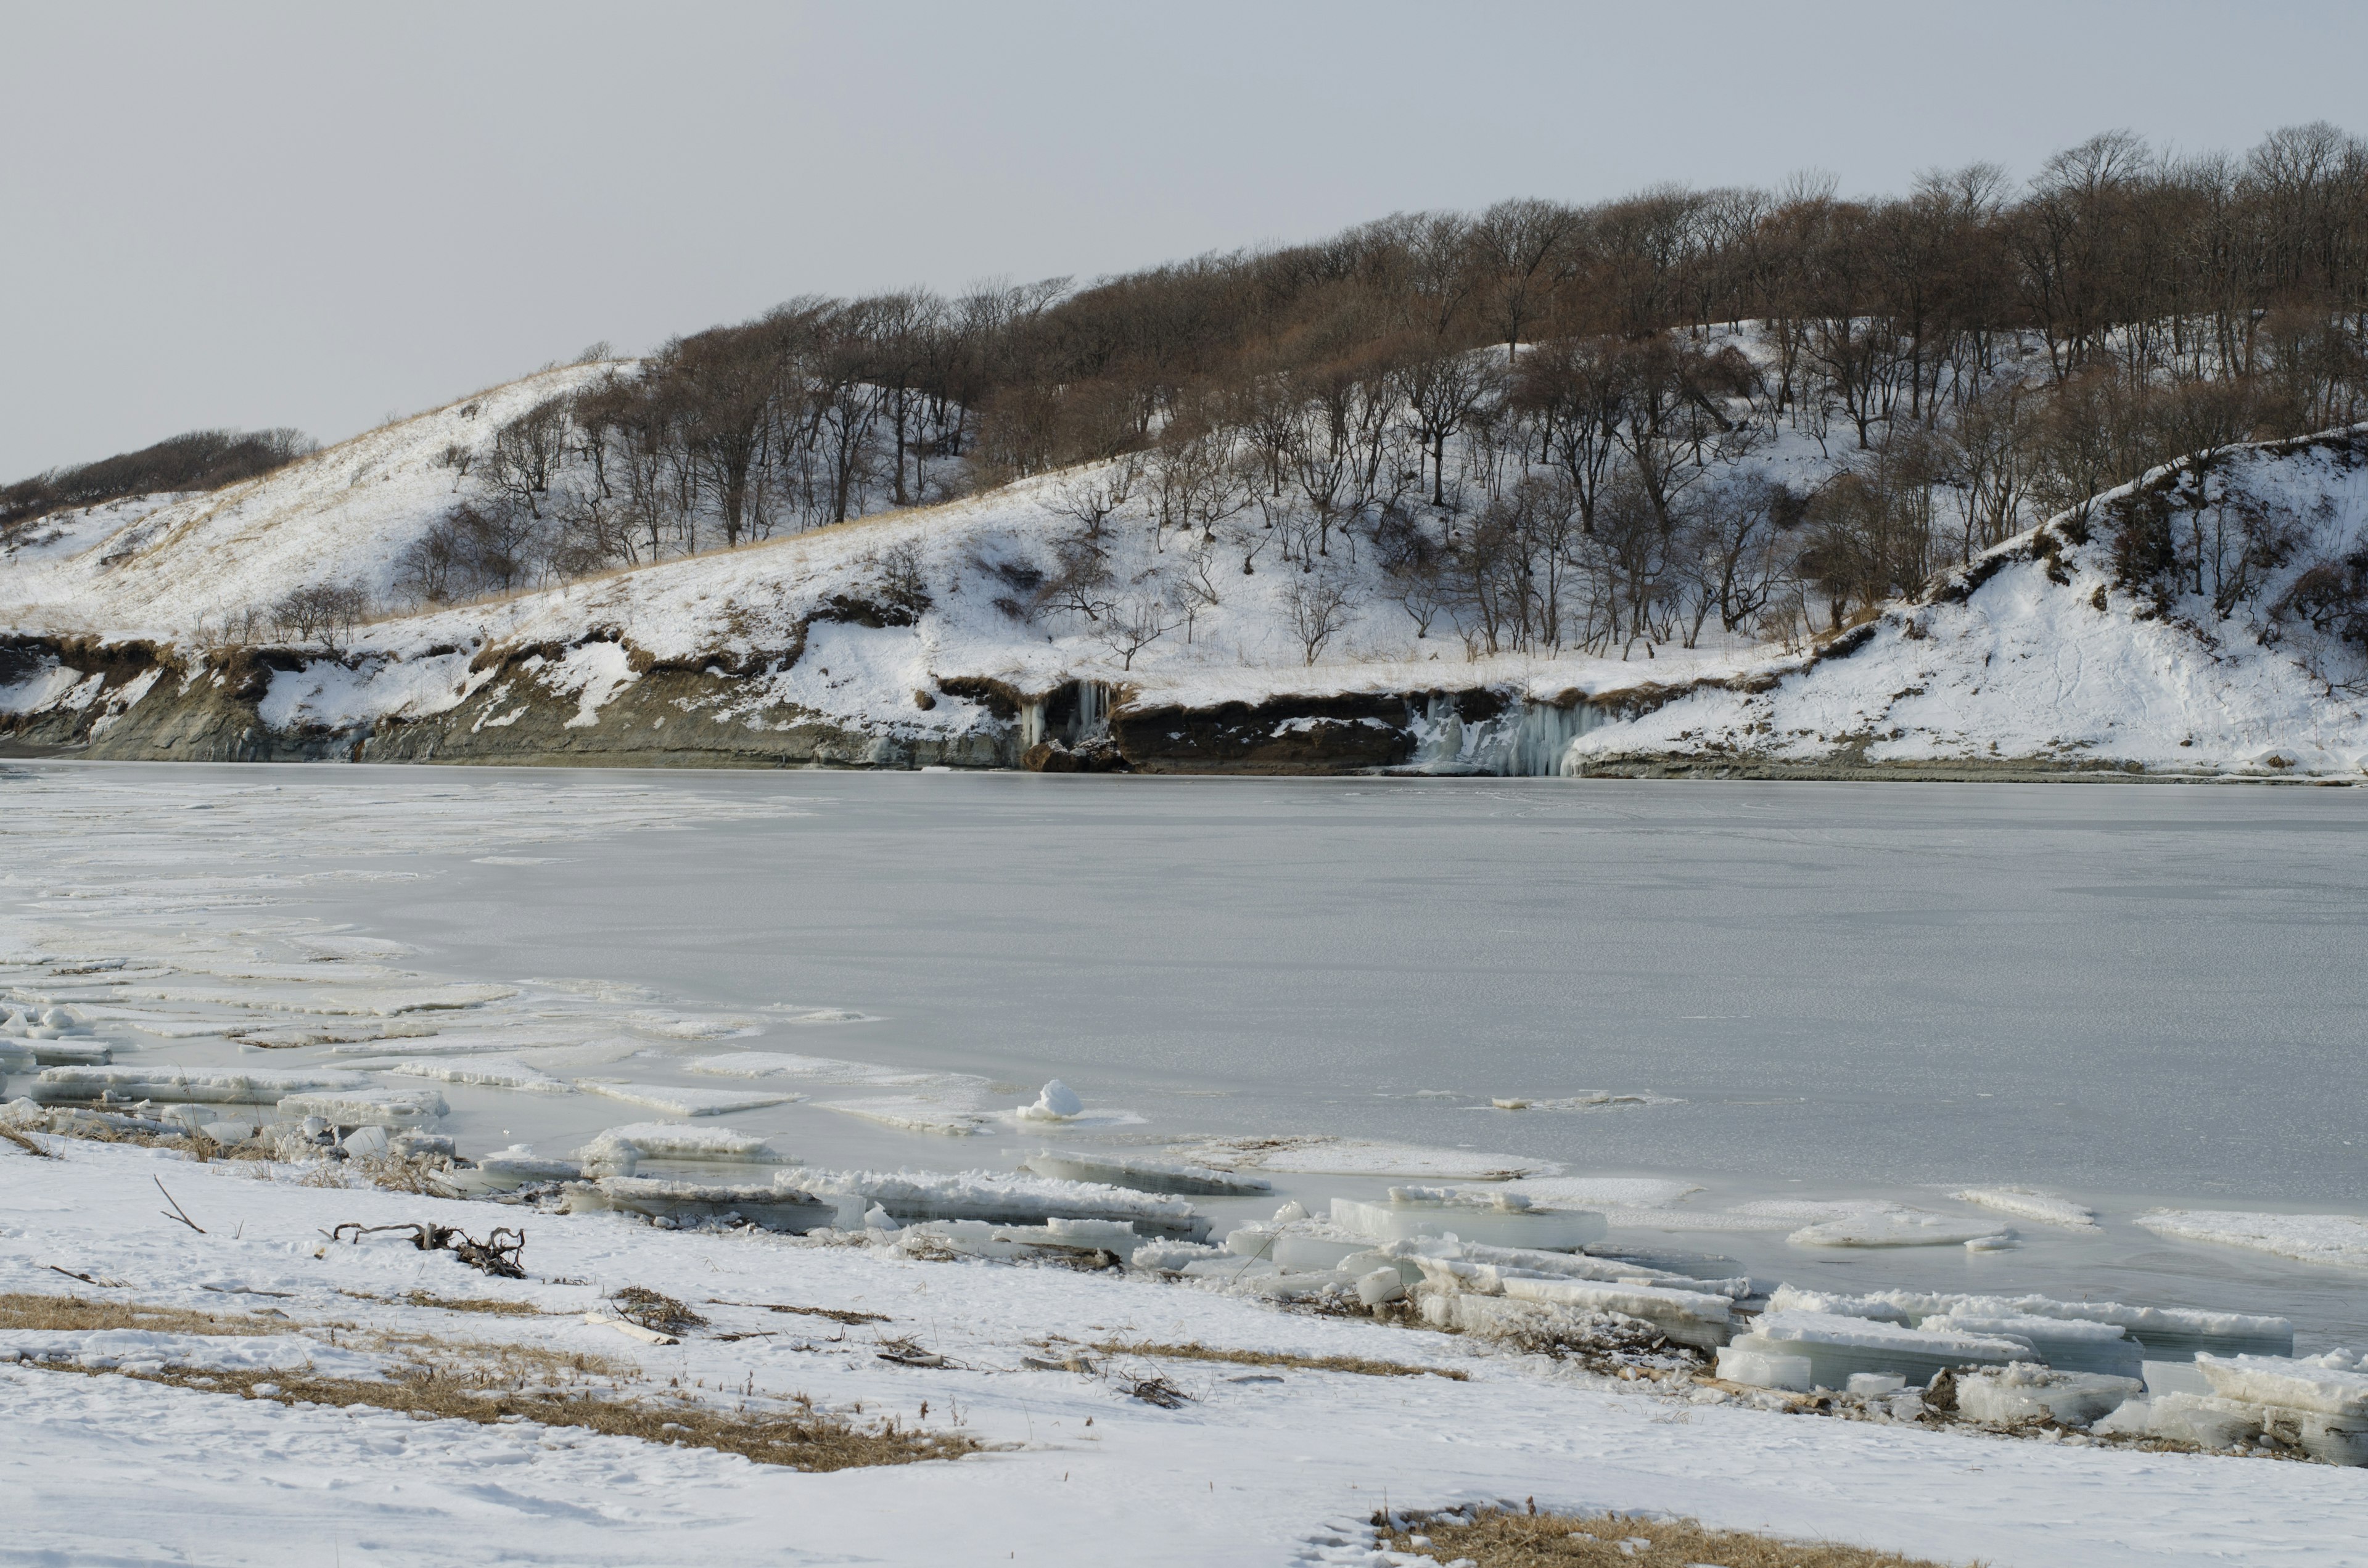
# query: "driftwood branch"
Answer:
x=176 y=1213
x=492 y=1255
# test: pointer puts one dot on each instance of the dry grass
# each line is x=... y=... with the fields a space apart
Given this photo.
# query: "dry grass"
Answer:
x=74 y=1314
x=801 y=1438
x=19 y=1139
x=660 y=1314
x=1358 y=1364
x=1566 y=1541
x=834 y=1314
x=492 y=1304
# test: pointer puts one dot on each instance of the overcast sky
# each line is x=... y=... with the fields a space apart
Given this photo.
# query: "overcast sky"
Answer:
x=318 y=215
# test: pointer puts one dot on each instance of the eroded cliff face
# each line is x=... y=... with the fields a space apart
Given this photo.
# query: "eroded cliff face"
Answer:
x=604 y=703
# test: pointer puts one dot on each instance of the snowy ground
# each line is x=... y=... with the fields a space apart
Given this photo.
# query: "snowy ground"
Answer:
x=104 y=1468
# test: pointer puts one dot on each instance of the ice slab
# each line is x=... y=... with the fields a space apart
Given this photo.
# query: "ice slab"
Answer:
x=1838 y=1347
x=2022 y=1391
x=1872 y=1223
x=1599 y=1099
x=2332 y=1384
x=682 y=1101
x=814 y=1069
x=774 y=1208
x=483 y=1071
x=163 y=1081
x=2312 y=1238
x=365 y=1108
x=2163 y=1332
x=366 y=1001
x=1601 y=1193
x=912 y=1114
x=287 y=1036
x=1144 y=1175
x=912 y=1196
x=2070 y=1345
x=1565 y=1264
x=1501 y=1219
x=681 y=1142
x=2029 y=1203
x=1321 y=1154
x=1763 y=1366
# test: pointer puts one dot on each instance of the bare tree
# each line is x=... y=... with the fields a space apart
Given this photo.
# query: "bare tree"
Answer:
x=1127 y=630
x=1318 y=606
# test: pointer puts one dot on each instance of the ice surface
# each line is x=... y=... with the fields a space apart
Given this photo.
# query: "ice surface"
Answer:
x=2069 y=1344
x=2029 y=1203
x=1838 y=1347
x=1761 y=1364
x=2314 y=1238
x=775 y=1208
x=1604 y=1192
x=685 y=1101
x=816 y=1069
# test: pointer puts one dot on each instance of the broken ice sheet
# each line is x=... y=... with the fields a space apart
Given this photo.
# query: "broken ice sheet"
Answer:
x=912 y=1114
x=2029 y=1203
x=2340 y=1239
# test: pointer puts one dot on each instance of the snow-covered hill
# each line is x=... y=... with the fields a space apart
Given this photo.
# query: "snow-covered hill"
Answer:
x=971 y=631
x=2211 y=618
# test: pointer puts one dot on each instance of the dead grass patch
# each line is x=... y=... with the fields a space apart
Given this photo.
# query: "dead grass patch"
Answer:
x=67 y=1314
x=801 y=1438
x=836 y=1314
x=491 y=1304
x=1566 y=1541
x=658 y=1313
x=1362 y=1366
x=19 y=1139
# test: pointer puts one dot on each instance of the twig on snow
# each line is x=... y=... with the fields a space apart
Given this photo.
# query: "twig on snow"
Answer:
x=175 y=1203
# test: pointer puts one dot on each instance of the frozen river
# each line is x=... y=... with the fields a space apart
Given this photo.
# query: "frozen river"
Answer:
x=2130 y=995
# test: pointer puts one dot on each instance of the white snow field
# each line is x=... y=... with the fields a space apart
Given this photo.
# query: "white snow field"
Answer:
x=1264 y=1465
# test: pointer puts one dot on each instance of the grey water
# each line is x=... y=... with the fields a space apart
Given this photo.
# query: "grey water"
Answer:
x=2132 y=995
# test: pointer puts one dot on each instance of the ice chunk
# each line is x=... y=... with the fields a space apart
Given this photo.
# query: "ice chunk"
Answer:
x=1838 y=1345
x=206 y=1086
x=1879 y=1224
x=1172 y=1257
x=910 y=1196
x=1381 y=1287
x=685 y=1101
x=484 y=1071
x=912 y=1114
x=1321 y=1154
x=1688 y=1317
x=1599 y=1099
x=1568 y=1265
x=1600 y=1193
x=2334 y=1384
x=2313 y=1238
x=365 y=1108
x=2029 y=1203
x=365 y=1141
x=1504 y=1219
x=2022 y=1391
x=817 y=1069
x=1874 y=1385
x=2070 y=1343
x=775 y=1208
x=2164 y=1331
x=1763 y=1366
x=678 y=1143
x=1144 y=1175
x=1055 y=1102
x=508 y=1170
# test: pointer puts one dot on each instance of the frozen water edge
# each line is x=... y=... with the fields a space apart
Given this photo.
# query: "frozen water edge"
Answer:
x=242 y=888
x=109 y=1465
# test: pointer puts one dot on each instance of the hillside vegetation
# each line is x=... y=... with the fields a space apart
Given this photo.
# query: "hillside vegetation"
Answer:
x=1528 y=451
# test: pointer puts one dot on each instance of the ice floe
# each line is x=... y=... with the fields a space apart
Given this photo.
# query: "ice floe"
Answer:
x=2312 y=1238
x=1144 y=1175
x=912 y=1114
x=483 y=1071
x=2029 y=1203
x=686 y=1101
x=1323 y=1154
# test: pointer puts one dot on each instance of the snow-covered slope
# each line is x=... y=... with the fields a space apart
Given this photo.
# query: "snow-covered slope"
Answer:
x=942 y=634
x=183 y=567
x=2046 y=652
